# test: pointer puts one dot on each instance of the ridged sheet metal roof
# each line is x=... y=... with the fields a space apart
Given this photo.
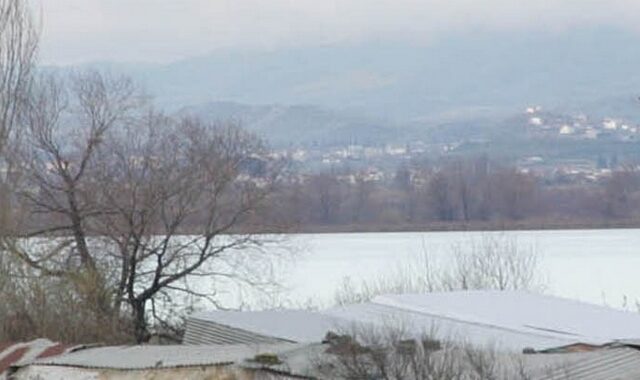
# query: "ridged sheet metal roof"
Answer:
x=525 y=311
x=22 y=353
x=154 y=357
x=511 y=320
x=620 y=363
x=221 y=327
x=201 y=332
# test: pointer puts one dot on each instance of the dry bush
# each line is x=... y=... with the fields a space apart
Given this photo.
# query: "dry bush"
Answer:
x=494 y=262
x=61 y=309
x=391 y=353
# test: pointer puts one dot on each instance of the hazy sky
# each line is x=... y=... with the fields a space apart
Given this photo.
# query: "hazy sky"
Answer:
x=164 y=30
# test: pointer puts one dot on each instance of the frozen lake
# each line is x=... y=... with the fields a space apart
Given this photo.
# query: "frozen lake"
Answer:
x=600 y=266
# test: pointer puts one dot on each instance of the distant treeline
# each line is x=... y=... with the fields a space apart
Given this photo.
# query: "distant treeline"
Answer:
x=461 y=193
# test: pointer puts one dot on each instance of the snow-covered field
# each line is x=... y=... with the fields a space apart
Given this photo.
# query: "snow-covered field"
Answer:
x=600 y=266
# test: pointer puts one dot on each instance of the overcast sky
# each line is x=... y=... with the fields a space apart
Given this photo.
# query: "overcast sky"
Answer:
x=165 y=30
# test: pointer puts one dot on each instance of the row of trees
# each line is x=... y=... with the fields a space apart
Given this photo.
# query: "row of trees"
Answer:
x=462 y=191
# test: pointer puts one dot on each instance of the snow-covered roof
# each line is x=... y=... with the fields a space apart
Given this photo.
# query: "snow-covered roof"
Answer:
x=458 y=330
x=511 y=320
x=154 y=357
x=525 y=312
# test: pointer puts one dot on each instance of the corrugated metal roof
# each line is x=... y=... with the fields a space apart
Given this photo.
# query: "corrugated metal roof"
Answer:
x=150 y=357
x=604 y=364
x=618 y=363
x=201 y=332
x=18 y=354
x=220 y=327
x=525 y=311
x=629 y=342
x=474 y=333
x=511 y=320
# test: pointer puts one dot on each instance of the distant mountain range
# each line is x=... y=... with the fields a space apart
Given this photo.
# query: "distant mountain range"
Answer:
x=377 y=90
x=297 y=124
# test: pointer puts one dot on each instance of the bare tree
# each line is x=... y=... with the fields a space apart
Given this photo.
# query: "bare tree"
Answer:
x=18 y=48
x=620 y=193
x=32 y=305
x=181 y=197
x=362 y=198
x=67 y=121
x=134 y=204
x=512 y=194
x=327 y=189
x=441 y=199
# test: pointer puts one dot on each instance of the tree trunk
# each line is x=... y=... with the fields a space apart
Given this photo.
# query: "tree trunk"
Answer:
x=140 y=327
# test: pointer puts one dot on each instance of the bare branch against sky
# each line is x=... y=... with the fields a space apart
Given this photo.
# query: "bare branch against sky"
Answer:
x=165 y=30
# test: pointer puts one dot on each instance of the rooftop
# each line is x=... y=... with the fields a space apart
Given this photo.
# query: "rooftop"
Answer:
x=154 y=357
x=22 y=353
x=525 y=312
x=511 y=320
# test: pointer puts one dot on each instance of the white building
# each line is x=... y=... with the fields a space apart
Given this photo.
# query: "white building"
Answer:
x=536 y=121
x=567 y=130
x=610 y=124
